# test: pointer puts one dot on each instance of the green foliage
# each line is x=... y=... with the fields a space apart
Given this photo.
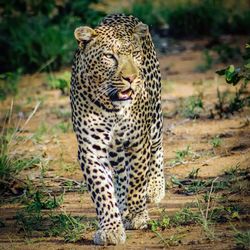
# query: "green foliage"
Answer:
x=225 y=213
x=162 y=223
x=231 y=74
x=192 y=107
x=31 y=219
x=37 y=35
x=8 y=83
x=227 y=53
x=194 y=173
x=64 y=127
x=206 y=211
x=61 y=82
x=242 y=239
x=181 y=155
x=189 y=19
x=183 y=217
x=236 y=76
x=193 y=20
x=12 y=162
x=28 y=221
x=44 y=201
x=191 y=187
x=12 y=165
x=221 y=102
x=240 y=21
x=233 y=171
x=228 y=182
x=173 y=240
x=69 y=227
x=148 y=12
x=216 y=141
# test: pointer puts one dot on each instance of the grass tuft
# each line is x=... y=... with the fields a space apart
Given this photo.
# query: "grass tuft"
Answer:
x=182 y=155
x=242 y=239
x=33 y=220
x=11 y=162
x=61 y=82
x=192 y=107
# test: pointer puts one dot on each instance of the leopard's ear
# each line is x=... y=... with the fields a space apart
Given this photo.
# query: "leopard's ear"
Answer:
x=141 y=29
x=83 y=35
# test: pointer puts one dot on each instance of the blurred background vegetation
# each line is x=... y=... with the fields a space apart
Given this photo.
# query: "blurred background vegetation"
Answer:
x=37 y=35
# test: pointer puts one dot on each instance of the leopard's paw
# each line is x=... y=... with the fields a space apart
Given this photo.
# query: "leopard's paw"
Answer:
x=110 y=237
x=136 y=221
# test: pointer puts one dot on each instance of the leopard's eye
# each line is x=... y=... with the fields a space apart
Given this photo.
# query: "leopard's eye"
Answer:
x=109 y=56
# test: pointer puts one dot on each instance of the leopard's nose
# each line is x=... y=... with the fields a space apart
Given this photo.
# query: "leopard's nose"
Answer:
x=129 y=79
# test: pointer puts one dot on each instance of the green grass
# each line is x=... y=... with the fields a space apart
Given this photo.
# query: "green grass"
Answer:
x=230 y=103
x=162 y=223
x=226 y=212
x=61 y=82
x=33 y=220
x=233 y=180
x=239 y=77
x=30 y=218
x=194 y=173
x=173 y=240
x=12 y=165
x=182 y=155
x=38 y=35
x=192 y=107
x=69 y=167
x=216 y=141
x=9 y=83
x=71 y=228
x=13 y=162
x=242 y=239
x=205 y=212
x=64 y=127
x=183 y=217
x=41 y=201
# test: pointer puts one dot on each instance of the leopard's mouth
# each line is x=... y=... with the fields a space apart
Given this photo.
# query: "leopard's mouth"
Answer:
x=122 y=95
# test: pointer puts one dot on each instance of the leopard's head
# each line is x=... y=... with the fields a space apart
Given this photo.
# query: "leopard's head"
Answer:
x=111 y=62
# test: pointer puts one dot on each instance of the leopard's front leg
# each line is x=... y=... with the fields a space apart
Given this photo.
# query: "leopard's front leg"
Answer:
x=137 y=174
x=98 y=178
x=156 y=180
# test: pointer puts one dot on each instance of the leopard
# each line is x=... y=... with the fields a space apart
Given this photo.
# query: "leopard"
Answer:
x=115 y=98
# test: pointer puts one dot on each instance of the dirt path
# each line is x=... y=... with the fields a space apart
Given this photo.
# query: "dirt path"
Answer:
x=212 y=146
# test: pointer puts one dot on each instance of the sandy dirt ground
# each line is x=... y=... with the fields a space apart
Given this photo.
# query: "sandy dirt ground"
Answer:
x=58 y=147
